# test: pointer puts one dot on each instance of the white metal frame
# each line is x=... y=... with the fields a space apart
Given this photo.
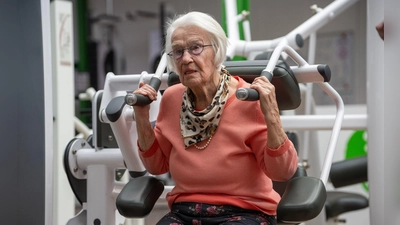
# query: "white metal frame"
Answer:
x=314 y=23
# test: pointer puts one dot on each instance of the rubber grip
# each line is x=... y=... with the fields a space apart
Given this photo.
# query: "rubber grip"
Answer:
x=155 y=83
x=140 y=100
x=267 y=74
x=325 y=72
x=137 y=99
x=249 y=94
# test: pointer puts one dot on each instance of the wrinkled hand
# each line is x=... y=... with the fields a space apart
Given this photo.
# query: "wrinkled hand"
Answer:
x=151 y=93
x=144 y=129
x=269 y=107
x=266 y=91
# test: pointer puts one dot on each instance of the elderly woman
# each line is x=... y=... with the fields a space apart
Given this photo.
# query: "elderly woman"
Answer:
x=221 y=152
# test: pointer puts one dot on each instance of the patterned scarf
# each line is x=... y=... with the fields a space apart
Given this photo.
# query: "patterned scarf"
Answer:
x=197 y=126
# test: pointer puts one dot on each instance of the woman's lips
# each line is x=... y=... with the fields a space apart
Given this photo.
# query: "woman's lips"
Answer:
x=189 y=71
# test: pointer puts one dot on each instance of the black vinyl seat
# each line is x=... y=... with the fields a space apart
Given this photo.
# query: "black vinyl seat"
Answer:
x=138 y=197
x=345 y=173
x=303 y=198
x=338 y=202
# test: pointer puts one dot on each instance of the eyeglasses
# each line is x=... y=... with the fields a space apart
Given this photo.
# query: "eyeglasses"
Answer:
x=193 y=50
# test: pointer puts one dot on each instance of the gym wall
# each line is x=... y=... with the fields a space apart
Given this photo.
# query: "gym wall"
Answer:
x=22 y=117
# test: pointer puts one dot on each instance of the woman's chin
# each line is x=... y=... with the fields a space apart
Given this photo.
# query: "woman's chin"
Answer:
x=190 y=81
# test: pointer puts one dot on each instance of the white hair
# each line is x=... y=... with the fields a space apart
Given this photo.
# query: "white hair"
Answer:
x=206 y=22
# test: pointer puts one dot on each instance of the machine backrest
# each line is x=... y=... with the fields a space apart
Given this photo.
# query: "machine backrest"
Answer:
x=286 y=86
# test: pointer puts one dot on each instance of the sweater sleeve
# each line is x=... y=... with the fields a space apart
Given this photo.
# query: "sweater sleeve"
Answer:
x=154 y=160
x=280 y=163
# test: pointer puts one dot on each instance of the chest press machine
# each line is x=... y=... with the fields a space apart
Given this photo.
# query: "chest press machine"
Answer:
x=91 y=164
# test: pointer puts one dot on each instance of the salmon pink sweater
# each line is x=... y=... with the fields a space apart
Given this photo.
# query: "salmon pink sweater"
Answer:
x=236 y=168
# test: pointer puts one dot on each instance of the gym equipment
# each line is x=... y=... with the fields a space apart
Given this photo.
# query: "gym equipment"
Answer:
x=90 y=164
x=345 y=173
x=97 y=164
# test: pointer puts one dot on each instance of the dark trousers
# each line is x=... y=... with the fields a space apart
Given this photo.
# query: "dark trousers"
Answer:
x=188 y=213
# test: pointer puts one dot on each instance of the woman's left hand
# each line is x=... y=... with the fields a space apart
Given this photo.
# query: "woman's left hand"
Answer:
x=266 y=91
x=269 y=107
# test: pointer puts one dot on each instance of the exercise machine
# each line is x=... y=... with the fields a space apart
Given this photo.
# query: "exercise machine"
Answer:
x=91 y=164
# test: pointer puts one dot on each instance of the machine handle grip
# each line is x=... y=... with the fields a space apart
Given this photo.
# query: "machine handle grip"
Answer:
x=249 y=94
x=136 y=99
x=141 y=100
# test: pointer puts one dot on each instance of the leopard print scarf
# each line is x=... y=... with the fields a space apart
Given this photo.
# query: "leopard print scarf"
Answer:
x=197 y=126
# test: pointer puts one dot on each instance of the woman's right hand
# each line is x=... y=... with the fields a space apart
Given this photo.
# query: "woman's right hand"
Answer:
x=151 y=93
x=144 y=129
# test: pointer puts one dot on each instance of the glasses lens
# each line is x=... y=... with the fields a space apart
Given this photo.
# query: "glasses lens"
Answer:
x=196 y=49
x=193 y=50
x=178 y=53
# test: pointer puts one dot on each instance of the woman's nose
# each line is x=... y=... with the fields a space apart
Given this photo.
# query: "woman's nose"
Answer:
x=186 y=56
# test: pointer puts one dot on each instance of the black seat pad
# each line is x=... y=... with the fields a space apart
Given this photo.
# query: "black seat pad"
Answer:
x=341 y=202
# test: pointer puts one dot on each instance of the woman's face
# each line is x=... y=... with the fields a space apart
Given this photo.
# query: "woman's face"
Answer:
x=194 y=70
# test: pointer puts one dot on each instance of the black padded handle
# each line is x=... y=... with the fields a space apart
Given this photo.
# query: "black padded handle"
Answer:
x=140 y=100
x=173 y=79
x=303 y=200
x=114 y=108
x=138 y=197
x=136 y=99
x=349 y=172
x=249 y=94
